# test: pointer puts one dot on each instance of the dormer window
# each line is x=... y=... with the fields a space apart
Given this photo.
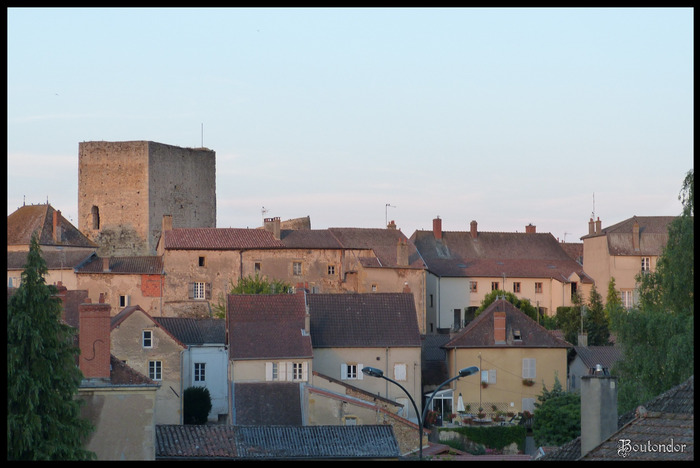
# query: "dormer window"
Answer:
x=516 y=335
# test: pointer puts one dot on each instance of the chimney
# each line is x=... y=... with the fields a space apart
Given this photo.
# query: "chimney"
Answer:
x=94 y=339
x=499 y=327
x=273 y=225
x=635 y=235
x=597 y=226
x=105 y=264
x=402 y=252
x=530 y=229
x=437 y=228
x=473 y=229
x=56 y=227
x=406 y=287
x=391 y=225
x=167 y=224
x=598 y=410
x=591 y=228
x=582 y=339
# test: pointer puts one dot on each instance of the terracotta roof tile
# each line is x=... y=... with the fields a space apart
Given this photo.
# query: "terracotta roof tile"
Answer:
x=30 y=218
x=383 y=242
x=219 y=239
x=144 y=265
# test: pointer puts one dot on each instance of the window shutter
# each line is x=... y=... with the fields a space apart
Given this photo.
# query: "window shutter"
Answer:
x=290 y=371
x=281 y=371
x=268 y=371
x=359 y=372
x=190 y=290
x=343 y=371
x=400 y=371
x=207 y=291
x=492 y=376
x=305 y=371
x=528 y=368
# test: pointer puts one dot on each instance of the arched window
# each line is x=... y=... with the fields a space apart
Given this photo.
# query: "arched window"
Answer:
x=95 y=217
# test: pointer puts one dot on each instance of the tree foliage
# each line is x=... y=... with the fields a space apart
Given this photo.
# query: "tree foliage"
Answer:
x=251 y=284
x=587 y=317
x=196 y=405
x=43 y=420
x=657 y=337
x=523 y=304
x=557 y=417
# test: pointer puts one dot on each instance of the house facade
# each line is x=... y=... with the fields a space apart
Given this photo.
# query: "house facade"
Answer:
x=516 y=358
x=624 y=250
x=465 y=266
x=140 y=342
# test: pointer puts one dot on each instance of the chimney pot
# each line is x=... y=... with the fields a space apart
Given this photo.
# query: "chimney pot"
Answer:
x=530 y=229
x=473 y=229
x=598 y=226
x=437 y=228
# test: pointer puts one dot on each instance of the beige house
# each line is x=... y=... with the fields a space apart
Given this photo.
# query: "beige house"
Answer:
x=63 y=246
x=138 y=341
x=515 y=356
x=624 y=250
x=465 y=266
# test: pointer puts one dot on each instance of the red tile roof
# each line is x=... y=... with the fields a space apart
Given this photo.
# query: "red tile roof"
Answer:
x=219 y=239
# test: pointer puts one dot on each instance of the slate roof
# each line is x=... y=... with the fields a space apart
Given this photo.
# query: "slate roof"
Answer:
x=265 y=326
x=309 y=239
x=480 y=331
x=183 y=442
x=143 y=265
x=383 y=242
x=195 y=331
x=122 y=374
x=653 y=235
x=55 y=260
x=356 y=320
x=219 y=239
x=523 y=255
x=29 y=218
x=606 y=356
x=277 y=403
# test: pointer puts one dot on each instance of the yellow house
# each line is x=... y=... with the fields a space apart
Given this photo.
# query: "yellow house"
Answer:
x=624 y=250
x=515 y=356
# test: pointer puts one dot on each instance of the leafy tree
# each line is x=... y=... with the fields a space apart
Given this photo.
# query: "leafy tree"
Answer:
x=43 y=420
x=595 y=322
x=557 y=417
x=523 y=304
x=657 y=338
x=196 y=405
x=251 y=284
x=568 y=320
x=612 y=301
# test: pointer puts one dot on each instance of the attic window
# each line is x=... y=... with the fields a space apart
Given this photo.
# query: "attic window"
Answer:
x=202 y=261
x=516 y=335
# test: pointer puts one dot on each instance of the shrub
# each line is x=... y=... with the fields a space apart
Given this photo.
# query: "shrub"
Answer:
x=197 y=405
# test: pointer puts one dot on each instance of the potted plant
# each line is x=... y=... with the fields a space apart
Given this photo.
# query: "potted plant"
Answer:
x=528 y=382
x=481 y=414
x=431 y=417
x=484 y=384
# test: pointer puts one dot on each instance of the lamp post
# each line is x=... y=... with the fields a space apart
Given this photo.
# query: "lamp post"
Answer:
x=374 y=372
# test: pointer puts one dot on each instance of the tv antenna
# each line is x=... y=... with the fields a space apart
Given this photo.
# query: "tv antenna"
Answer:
x=264 y=212
x=593 y=212
x=386 y=214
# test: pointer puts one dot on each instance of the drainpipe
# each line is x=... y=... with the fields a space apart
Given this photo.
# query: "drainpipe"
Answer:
x=182 y=399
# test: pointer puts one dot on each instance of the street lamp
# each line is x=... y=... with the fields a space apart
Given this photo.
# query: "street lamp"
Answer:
x=374 y=372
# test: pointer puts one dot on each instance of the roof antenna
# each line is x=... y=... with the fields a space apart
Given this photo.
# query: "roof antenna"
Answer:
x=593 y=212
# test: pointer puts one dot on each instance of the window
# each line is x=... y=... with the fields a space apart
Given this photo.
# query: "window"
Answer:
x=529 y=368
x=257 y=268
x=516 y=287
x=400 y=372
x=538 y=288
x=296 y=268
x=472 y=286
x=95 y=217
x=286 y=371
x=350 y=420
x=374 y=288
x=147 y=338
x=431 y=301
x=488 y=376
x=200 y=290
x=199 y=371
x=274 y=371
x=297 y=371
x=351 y=371
x=331 y=269
x=626 y=297
x=529 y=405
x=14 y=281
x=123 y=301
x=202 y=261
x=155 y=370
x=646 y=264
x=516 y=335
x=494 y=285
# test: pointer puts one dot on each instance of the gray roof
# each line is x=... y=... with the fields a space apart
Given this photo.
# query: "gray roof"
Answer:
x=606 y=356
x=363 y=320
x=55 y=260
x=653 y=235
x=136 y=265
x=187 y=442
x=39 y=218
x=194 y=331
x=277 y=403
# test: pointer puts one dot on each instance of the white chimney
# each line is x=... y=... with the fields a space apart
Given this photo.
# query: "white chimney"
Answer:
x=598 y=409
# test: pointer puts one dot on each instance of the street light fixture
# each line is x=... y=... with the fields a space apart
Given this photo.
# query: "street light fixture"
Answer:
x=374 y=372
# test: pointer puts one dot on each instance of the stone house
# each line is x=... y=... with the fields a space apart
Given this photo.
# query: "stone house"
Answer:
x=622 y=251
x=464 y=266
x=63 y=246
x=270 y=357
x=150 y=349
x=205 y=362
x=515 y=355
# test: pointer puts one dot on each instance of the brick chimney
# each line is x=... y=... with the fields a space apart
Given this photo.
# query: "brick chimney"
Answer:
x=56 y=227
x=499 y=327
x=105 y=264
x=597 y=226
x=402 y=252
x=473 y=229
x=273 y=225
x=94 y=339
x=437 y=228
x=167 y=223
x=391 y=225
x=635 y=235
x=598 y=410
x=530 y=229
x=591 y=227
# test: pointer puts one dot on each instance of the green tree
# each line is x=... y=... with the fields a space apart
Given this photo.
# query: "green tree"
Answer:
x=196 y=405
x=557 y=417
x=657 y=337
x=595 y=322
x=251 y=284
x=43 y=420
x=523 y=304
x=568 y=320
x=612 y=301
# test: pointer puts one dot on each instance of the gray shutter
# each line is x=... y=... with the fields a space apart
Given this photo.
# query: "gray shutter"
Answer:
x=207 y=291
x=190 y=290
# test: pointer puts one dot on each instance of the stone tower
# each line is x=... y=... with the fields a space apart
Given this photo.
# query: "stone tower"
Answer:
x=125 y=188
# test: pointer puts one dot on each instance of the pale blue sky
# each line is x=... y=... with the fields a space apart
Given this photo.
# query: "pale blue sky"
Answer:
x=503 y=116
